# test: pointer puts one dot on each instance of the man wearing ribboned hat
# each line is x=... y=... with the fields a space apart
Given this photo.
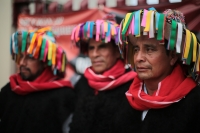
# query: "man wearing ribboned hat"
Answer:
x=101 y=90
x=36 y=99
x=164 y=96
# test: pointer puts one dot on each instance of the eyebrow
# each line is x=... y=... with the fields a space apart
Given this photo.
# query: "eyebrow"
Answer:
x=149 y=45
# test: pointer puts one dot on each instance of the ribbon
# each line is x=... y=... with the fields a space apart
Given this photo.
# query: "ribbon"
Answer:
x=16 y=42
x=126 y=24
x=85 y=29
x=157 y=19
x=42 y=51
x=189 y=58
x=187 y=44
x=24 y=39
x=194 y=47
x=50 y=50
x=37 y=50
x=151 y=30
x=172 y=35
x=91 y=29
x=144 y=18
x=53 y=55
x=46 y=51
x=161 y=24
x=63 y=62
x=59 y=58
x=179 y=38
x=98 y=24
x=137 y=23
x=30 y=50
x=148 y=21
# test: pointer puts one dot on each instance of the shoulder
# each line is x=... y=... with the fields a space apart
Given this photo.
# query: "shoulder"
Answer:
x=5 y=88
x=194 y=95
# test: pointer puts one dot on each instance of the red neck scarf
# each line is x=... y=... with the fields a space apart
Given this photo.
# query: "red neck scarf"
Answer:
x=109 y=79
x=172 y=89
x=45 y=81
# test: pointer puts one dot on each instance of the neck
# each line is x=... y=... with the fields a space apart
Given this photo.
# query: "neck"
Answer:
x=151 y=86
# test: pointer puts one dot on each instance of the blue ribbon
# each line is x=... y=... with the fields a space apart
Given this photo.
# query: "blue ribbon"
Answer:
x=16 y=42
x=137 y=23
x=157 y=19
x=108 y=32
x=91 y=29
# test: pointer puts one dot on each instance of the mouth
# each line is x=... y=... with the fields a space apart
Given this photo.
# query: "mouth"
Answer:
x=142 y=69
x=24 y=70
x=97 y=62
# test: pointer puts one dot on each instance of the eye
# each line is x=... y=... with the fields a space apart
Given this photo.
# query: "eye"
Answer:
x=149 y=49
x=103 y=45
x=135 y=49
x=90 y=47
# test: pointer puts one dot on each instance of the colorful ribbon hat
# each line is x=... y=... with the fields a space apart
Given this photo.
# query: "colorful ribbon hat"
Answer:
x=102 y=30
x=169 y=25
x=40 y=44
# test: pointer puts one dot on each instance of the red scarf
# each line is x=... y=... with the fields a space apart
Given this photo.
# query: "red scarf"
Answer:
x=109 y=79
x=45 y=81
x=172 y=89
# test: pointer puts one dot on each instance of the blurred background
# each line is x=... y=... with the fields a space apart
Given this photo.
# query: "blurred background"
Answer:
x=64 y=15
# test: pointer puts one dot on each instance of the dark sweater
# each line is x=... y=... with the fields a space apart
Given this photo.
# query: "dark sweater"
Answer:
x=181 y=117
x=38 y=112
x=94 y=113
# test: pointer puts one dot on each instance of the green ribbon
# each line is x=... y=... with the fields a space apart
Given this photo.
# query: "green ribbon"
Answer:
x=160 y=27
x=24 y=39
x=49 y=63
x=172 y=35
x=42 y=49
x=126 y=26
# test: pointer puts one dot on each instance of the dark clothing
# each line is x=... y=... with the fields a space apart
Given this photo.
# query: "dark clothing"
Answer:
x=94 y=111
x=37 y=112
x=180 y=117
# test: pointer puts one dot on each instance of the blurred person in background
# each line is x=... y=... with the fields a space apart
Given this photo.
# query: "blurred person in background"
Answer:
x=101 y=90
x=164 y=97
x=37 y=99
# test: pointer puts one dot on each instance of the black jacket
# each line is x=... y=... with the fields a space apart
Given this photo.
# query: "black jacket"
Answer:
x=38 y=112
x=94 y=113
x=180 y=117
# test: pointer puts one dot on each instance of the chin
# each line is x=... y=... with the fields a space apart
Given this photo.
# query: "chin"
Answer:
x=143 y=77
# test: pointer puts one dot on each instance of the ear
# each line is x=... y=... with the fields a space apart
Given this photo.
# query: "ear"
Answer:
x=117 y=52
x=173 y=57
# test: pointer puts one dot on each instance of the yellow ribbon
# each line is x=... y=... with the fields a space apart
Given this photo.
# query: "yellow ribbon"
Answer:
x=105 y=26
x=148 y=23
x=187 y=45
x=126 y=20
x=50 y=50
x=194 y=47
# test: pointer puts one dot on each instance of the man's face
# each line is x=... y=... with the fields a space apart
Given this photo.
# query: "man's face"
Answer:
x=151 y=60
x=30 y=68
x=103 y=55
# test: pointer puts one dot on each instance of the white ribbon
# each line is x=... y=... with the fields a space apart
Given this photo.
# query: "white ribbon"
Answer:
x=179 y=38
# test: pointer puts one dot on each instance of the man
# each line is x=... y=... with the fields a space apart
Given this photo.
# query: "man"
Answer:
x=101 y=90
x=36 y=100
x=163 y=96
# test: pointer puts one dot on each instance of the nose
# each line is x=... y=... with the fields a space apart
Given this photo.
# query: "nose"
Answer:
x=139 y=56
x=95 y=52
x=22 y=61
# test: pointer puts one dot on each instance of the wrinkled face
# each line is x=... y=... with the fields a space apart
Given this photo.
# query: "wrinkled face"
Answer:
x=151 y=60
x=30 y=68
x=103 y=55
